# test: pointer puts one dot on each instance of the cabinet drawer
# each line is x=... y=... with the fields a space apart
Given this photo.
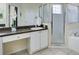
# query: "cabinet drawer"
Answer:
x=25 y=35
x=15 y=37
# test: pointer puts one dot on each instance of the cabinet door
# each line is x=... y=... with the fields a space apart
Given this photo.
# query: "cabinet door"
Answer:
x=44 y=39
x=73 y=43
x=1 y=49
x=35 y=42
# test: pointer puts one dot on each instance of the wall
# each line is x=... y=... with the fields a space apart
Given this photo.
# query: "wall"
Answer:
x=71 y=10
x=28 y=14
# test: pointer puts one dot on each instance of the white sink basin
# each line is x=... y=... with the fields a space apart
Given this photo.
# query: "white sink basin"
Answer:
x=36 y=28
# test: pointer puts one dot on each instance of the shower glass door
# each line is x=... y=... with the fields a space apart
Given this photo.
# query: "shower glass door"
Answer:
x=57 y=24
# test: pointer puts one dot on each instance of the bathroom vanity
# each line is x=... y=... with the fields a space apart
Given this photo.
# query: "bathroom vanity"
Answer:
x=37 y=39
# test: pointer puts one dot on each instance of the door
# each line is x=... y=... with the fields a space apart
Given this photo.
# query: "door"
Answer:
x=35 y=41
x=44 y=39
x=58 y=24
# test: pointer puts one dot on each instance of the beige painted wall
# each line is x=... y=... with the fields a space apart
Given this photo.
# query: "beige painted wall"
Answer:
x=15 y=46
x=69 y=30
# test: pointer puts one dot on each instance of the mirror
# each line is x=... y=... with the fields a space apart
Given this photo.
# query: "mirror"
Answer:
x=20 y=13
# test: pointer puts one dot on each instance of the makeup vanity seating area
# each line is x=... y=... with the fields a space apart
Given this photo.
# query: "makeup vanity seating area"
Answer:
x=32 y=40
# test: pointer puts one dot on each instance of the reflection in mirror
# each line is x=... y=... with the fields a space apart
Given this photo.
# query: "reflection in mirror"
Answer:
x=46 y=12
x=13 y=15
x=41 y=13
x=1 y=19
x=2 y=16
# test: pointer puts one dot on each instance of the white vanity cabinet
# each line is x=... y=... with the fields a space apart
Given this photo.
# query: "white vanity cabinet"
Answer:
x=44 y=39
x=38 y=41
x=1 y=52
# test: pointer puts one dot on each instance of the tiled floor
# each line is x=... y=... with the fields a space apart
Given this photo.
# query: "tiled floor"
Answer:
x=52 y=51
x=57 y=51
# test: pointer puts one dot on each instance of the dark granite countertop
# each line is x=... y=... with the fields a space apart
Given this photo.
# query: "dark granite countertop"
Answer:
x=7 y=33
